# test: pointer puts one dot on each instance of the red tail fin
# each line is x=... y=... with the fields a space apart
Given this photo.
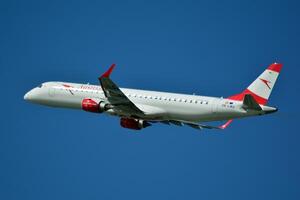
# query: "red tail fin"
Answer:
x=262 y=87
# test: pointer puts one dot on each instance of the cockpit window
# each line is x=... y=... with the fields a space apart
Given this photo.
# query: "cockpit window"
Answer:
x=40 y=86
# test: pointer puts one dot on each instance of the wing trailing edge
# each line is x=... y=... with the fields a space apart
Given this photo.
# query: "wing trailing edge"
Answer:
x=196 y=125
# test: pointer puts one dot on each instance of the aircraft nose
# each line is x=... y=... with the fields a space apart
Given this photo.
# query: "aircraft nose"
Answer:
x=31 y=95
x=36 y=95
x=27 y=96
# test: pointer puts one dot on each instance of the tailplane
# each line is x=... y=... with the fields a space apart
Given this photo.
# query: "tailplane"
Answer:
x=261 y=88
x=249 y=103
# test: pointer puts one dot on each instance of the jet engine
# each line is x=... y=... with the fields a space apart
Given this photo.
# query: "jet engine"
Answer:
x=136 y=124
x=91 y=105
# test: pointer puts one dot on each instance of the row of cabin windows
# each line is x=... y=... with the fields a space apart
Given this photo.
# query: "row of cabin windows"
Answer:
x=82 y=90
x=144 y=96
x=168 y=99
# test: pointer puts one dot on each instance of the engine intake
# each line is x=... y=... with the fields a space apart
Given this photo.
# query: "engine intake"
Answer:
x=136 y=124
x=91 y=105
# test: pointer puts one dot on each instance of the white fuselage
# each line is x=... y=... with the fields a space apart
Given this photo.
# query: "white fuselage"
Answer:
x=155 y=105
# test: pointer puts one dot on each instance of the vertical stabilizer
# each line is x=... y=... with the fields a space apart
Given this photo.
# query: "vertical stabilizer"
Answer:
x=261 y=88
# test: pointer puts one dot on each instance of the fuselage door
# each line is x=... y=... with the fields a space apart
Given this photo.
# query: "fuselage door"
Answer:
x=51 y=92
x=215 y=105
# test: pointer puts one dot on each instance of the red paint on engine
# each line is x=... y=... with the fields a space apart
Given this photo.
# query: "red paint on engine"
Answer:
x=130 y=123
x=90 y=105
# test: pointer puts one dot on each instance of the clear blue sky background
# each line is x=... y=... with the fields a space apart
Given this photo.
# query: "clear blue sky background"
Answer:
x=211 y=48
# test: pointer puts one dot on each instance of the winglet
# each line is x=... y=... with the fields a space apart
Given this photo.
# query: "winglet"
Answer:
x=108 y=72
x=226 y=124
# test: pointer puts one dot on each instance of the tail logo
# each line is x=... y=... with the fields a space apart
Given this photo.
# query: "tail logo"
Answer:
x=266 y=82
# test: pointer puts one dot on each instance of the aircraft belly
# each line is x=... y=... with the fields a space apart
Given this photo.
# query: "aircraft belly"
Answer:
x=199 y=113
x=187 y=113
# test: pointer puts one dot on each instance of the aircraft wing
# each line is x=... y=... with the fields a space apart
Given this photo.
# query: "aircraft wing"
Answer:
x=116 y=97
x=195 y=125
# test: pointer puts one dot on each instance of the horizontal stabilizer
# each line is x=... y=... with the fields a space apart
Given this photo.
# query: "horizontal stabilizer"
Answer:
x=249 y=103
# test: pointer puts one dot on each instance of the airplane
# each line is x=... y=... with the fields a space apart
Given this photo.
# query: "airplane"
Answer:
x=139 y=109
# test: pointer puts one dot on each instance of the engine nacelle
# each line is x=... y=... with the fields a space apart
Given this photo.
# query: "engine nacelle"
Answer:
x=136 y=124
x=91 y=105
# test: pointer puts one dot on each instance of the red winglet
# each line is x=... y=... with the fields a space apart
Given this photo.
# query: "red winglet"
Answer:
x=108 y=72
x=226 y=124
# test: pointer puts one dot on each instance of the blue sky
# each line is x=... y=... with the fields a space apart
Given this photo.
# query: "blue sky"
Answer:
x=213 y=48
